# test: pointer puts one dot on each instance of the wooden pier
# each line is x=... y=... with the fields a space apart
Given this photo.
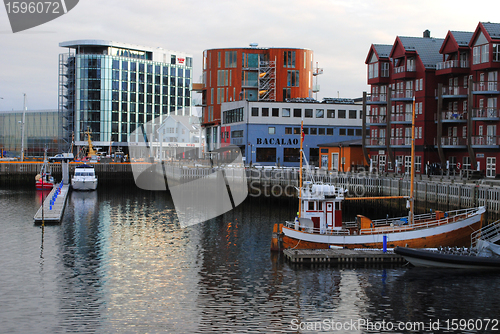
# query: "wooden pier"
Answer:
x=52 y=214
x=350 y=257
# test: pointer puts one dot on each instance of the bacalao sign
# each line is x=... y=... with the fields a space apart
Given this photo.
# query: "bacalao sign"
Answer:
x=278 y=141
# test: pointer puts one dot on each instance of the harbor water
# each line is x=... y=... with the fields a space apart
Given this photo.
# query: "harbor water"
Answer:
x=120 y=263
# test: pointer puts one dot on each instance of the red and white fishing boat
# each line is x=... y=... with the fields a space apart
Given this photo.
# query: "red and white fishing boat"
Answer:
x=44 y=180
x=319 y=223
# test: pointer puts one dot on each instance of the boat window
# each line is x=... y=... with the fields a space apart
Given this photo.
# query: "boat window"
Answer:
x=311 y=206
x=320 y=206
x=77 y=174
x=337 y=205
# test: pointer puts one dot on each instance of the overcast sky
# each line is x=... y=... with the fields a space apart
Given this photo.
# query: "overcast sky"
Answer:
x=340 y=32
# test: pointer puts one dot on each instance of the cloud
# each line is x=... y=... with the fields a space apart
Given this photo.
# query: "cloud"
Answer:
x=340 y=33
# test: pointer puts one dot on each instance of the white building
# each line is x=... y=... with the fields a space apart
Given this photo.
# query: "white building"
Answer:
x=179 y=138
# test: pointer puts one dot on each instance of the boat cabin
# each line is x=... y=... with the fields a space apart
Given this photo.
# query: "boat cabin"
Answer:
x=321 y=208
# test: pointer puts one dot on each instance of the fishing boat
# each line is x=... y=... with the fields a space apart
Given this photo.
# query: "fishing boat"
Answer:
x=44 y=180
x=84 y=178
x=318 y=223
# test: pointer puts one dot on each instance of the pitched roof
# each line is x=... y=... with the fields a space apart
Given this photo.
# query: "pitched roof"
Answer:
x=185 y=121
x=462 y=37
x=344 y=143
x=493 y=29
x=383 y=50
x=426 y=47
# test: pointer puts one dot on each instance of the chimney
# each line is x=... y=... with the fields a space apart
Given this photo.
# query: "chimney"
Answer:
x=427 y=33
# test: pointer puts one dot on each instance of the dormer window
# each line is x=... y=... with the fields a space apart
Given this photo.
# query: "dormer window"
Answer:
x=372 y=70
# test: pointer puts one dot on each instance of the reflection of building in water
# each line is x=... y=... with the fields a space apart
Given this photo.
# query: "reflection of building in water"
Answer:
x=179 y=137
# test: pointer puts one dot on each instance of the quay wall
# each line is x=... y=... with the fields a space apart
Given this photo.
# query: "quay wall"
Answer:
x=453 y=192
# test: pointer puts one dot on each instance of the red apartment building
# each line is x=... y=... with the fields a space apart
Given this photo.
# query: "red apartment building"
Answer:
x=455 y=84
x=253 y=74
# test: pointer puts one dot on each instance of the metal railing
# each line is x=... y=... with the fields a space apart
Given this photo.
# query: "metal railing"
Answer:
x=451 y=141
x=485 y=140
x=485 y=112
x=312 y=230
x=452 y=64
x=454 y=115
x=490 y=233
x=485 y=86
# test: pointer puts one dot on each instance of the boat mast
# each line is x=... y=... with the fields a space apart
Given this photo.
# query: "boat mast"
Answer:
x=300 y=168
x=412 y=167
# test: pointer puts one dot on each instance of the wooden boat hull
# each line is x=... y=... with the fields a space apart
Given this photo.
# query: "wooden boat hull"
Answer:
x=456 y=234
x=429 y=259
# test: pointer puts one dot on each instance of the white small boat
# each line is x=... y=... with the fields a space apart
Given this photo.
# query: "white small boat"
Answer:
x=84 y=178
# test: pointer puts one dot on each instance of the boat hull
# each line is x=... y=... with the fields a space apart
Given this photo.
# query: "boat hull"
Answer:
x=84 y=185
x=45 y=185
x=456 y=234
x=429 y=259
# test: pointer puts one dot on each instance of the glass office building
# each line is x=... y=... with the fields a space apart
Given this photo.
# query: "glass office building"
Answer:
x=111 y=89
x=41 y=132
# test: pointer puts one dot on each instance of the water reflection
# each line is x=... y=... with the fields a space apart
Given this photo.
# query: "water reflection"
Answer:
x=119 y=262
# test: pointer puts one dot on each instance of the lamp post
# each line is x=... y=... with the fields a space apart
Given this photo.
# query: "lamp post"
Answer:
x=22 y=128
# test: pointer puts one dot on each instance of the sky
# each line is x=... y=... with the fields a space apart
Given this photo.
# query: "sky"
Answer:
x=340 y=32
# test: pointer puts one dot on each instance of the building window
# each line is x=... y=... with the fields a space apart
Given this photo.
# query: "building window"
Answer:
x=384 y=70
x=289 y=59
x=341 y=132
x=285 y=112
x=320 y=113
x=272 y=130
x=321 y=131
x=293 y=79
x=308 y=113
x=297 y=112
x=255 y=112
x=314 y=131
x=342 y=113
x=291 y=155
x=276 y=112
x=264 y=154
x=287 y=92
x=265 y=112
x=288 y=131
x=329 y=132
x=418 y=164
x=496 y=52
x=230 y=59
x=330 y=113
x=350 y=132
x=296 y=131
x=352 y=114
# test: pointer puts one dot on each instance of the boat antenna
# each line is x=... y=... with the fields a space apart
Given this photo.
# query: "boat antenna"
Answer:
x=412 y=167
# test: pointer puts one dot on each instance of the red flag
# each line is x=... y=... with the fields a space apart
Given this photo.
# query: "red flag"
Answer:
x=302 y=134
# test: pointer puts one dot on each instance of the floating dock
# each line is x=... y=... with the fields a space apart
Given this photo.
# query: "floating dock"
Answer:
x=52 y=209
x=350 y=257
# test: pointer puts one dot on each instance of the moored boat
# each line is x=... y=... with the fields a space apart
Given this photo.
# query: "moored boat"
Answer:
x=84 y=178
x=439 y=259
x=319 y=221
x=44 y=180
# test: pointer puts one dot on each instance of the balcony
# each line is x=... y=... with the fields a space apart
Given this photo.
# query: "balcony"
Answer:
x=452 y=142
x=486 y=87
x=375 y=142
x=402 y=95
x=376 y=119
x=401 y=141
x=404 y=72
x=452 y=67
x=455 y=116
x=485 y=114
x=485 y=141
x=453 y=92
x=376 y=99
x=401 y=118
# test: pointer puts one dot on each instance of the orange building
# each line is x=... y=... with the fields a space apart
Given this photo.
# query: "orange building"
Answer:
x=253 y=74
x=342 y=156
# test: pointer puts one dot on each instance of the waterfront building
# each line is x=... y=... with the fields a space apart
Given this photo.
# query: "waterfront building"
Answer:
x=455 y=84
x=251 y=74
x=41 y=132
x=180 y=137
x=113 y=88
x=268 y=133
x=343 y=156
